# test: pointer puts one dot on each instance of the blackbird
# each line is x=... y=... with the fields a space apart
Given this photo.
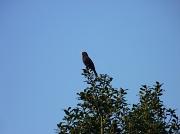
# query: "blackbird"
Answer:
x=88 y=62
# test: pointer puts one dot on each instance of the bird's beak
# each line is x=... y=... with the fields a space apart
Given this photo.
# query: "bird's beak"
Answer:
x=80 y=52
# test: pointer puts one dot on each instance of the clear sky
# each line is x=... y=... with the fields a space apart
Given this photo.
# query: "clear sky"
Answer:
x=135 y=42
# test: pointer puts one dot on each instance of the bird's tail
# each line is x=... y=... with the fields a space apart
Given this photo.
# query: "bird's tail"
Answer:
x=95 y=73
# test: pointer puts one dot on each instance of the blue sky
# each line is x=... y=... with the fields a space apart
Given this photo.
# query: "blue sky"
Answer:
x=135 y=42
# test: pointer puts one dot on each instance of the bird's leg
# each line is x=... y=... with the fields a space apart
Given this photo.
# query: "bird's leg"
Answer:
x=87 y=68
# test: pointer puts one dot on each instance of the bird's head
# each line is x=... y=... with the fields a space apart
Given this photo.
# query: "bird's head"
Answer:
x=84 y=53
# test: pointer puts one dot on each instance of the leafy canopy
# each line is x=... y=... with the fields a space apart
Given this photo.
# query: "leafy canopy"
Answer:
x=103 y=109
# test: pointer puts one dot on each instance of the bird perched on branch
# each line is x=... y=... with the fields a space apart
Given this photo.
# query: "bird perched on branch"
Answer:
x=88 y=62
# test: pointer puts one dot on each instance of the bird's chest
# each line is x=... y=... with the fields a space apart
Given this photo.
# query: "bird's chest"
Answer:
x=86 y=60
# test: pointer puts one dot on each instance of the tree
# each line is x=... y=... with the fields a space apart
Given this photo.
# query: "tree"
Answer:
x=104 y=110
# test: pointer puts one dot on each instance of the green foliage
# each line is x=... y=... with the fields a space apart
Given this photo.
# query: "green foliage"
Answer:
x=104 y=110
x=150 y=115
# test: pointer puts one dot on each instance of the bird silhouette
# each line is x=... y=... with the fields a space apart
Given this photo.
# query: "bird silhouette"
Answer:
x=88 y=62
